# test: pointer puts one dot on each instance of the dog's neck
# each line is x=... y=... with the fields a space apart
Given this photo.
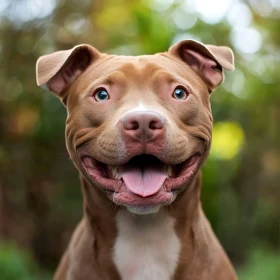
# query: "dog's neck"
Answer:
x=184 y=216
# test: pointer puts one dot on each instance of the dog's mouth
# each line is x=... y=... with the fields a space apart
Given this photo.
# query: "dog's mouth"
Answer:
x=143 y=180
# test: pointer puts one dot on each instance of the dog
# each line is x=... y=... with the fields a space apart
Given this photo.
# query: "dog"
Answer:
x=138 y=130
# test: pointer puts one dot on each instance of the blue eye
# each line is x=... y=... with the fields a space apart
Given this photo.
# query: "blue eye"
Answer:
x=101 y=95
x=180 y=94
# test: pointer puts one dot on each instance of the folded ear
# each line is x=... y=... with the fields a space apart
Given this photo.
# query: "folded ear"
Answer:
x=207 y=60
x=57 y=71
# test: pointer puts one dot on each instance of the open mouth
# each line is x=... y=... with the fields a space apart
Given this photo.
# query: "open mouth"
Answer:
x=143 y=180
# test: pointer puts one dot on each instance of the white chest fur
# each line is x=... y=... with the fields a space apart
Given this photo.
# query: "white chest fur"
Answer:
x=147 y=247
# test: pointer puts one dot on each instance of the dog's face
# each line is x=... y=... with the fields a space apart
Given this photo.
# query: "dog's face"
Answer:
x=140 y=127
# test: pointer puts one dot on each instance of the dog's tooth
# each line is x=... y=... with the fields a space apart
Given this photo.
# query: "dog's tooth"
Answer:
x=169 y=170
x=118 y=176
x=115 y=172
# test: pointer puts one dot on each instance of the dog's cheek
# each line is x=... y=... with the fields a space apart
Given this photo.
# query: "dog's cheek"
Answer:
x=196 y=122
x=86 y=111
x=110 y=148
x=86 y=114
x=187 y=110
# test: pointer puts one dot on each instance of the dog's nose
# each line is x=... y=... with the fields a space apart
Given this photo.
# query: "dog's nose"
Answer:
x=142 y=126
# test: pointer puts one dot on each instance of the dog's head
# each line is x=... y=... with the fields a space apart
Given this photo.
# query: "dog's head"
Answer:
x=138 y=127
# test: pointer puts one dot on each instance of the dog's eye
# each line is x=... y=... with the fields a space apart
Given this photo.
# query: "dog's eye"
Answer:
x=101 y=95
x=180 y=94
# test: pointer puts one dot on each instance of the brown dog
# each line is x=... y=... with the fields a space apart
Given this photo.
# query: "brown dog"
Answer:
x=138 y=130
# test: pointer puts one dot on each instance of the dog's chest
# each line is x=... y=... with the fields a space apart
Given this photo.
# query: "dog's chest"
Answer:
x=146 y=247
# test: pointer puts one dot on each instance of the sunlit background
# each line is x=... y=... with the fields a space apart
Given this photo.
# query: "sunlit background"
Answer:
x=40 y=200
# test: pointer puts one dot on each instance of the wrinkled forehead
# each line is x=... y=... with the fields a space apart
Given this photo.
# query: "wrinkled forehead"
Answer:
x=142 y=65
x=140 y=71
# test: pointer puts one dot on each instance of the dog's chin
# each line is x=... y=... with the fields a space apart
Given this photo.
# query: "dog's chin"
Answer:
x=144 y=183
x=143 y=210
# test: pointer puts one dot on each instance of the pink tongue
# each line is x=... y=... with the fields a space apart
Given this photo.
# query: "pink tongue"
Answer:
x=145 y=180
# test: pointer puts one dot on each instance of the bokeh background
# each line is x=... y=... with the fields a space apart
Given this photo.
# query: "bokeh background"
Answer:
x=40 y=199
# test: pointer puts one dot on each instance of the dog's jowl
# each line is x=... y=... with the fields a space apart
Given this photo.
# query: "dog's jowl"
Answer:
x=138 y=129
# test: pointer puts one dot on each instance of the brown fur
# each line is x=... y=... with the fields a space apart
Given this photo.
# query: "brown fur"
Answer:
x=93 y=128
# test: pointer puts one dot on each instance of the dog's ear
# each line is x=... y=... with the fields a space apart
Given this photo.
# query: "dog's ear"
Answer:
x=207 y=60
x=57 y=71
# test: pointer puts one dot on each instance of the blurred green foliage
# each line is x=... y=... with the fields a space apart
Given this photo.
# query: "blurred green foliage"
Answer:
x=262 y=264
x=16 y=264
x=13 y=263
x=40 y=199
